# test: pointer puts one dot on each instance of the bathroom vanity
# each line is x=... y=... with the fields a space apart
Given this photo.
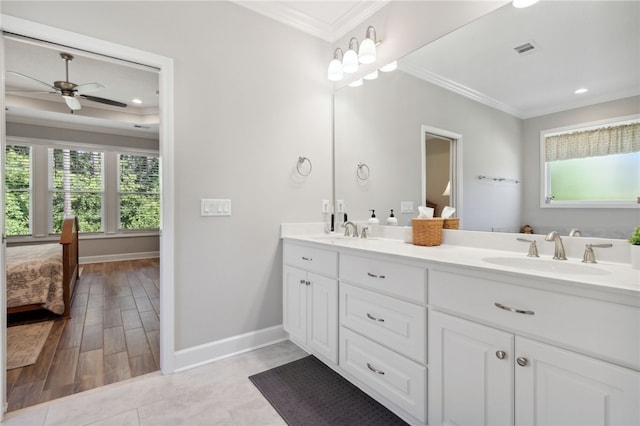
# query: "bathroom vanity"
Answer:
x=469 y=335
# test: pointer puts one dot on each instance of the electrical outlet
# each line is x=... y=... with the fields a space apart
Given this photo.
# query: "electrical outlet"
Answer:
x=406 y=206
x=340 y=206
x=325 y=206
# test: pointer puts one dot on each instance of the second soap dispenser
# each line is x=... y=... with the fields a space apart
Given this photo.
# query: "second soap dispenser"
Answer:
x=373 y=224
x=391 y=220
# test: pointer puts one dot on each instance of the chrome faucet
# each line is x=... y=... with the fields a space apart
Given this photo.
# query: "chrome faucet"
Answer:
x=558 y=253
x=347 y=232
x=575 y=232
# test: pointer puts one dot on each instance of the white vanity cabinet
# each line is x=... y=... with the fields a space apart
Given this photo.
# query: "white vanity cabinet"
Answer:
x=383 y=318
x=310 y=299
x=508 y=363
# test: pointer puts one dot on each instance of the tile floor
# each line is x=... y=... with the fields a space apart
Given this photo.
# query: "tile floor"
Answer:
x=219 y=393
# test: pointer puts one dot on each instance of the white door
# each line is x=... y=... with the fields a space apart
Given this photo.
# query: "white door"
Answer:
x=470 y=373
x=294 y=302
x=322 y=327
x=558 y=387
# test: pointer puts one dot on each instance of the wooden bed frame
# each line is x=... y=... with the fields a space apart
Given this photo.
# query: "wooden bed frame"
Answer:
x=70 y=267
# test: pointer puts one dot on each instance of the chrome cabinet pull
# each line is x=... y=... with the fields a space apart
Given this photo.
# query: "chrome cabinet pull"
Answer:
x=303 y=282
x=308 y=259
x=308 y=283
x=375 y=276
x=372 y=318
x=375 y=370
x=501 y=354
x=517 y=311
x=522 y=361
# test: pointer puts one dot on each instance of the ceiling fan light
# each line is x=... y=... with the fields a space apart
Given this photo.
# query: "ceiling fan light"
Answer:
x=72 y=102
x=391 y=66
x=136 y=101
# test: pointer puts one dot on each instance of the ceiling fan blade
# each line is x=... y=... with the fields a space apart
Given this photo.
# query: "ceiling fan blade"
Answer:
x=72 y=103
x=88 y=88
x=104 y=101
x=34 y=80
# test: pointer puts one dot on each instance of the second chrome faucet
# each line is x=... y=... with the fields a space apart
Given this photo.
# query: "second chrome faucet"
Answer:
x=558 y=252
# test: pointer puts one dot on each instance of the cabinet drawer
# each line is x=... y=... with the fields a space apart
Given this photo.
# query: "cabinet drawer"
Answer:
x=393 y=376
x=311 y=258
x=602 y=329
x=404 y=281
x=393 y=323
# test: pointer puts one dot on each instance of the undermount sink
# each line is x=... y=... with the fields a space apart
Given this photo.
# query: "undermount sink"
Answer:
x=543 y=265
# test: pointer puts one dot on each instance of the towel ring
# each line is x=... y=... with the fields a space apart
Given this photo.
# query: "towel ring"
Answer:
x=301 y=161
x=360 y=171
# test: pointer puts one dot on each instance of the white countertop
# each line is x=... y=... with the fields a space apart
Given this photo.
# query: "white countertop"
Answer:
x=604 y=276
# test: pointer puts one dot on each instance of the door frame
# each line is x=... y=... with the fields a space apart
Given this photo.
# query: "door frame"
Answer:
x=165 y=65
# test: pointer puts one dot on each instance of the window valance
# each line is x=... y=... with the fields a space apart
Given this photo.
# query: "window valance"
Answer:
x=616 y=139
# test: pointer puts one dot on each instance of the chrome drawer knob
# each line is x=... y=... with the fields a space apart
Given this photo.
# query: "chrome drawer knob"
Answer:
x=522 y=361
x=501 y=354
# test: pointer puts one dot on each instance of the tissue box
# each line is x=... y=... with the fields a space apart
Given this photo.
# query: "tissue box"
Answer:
x=452 y=223
x=427 y=232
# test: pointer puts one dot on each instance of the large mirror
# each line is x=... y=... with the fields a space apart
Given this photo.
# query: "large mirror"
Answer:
x=481 y=95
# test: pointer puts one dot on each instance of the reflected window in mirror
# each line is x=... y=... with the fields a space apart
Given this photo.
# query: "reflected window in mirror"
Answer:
x=592 y=165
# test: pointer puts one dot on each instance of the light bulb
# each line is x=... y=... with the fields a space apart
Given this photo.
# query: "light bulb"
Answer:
x=367 y=53
x=391 y=66
x=334 y=73
x=371 y=76
x=350 y=61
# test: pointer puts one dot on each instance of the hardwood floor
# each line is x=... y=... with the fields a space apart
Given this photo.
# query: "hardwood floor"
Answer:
x=113 y=334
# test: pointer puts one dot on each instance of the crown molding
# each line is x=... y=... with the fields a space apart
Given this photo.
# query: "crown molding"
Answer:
x=458 y=88
x=308 y=24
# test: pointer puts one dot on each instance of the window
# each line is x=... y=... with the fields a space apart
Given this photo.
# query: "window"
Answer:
x=594 y=166
x=76 y=187
x=18 y=190
x=138 y=192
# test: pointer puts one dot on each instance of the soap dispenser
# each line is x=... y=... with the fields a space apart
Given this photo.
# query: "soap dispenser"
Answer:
x=391 y=220
x=373 y=224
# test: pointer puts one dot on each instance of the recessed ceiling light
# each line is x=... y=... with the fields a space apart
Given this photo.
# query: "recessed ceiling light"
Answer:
x=581 y=91
x=523 y=3
x=136 y=101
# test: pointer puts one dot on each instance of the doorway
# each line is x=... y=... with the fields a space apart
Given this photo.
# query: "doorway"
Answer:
x=165 y=65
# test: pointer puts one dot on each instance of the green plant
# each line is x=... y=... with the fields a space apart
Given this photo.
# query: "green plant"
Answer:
x=635 y=237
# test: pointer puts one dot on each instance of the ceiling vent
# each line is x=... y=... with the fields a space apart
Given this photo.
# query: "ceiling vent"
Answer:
x=528 y=47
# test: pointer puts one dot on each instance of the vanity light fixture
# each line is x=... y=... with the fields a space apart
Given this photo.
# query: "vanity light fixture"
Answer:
x=371 y=76
x=367 y=53
x=356 y=83
x=391 y=66
x=581 y=91
x=520 y=4
x=334 y=73
x=350 y=59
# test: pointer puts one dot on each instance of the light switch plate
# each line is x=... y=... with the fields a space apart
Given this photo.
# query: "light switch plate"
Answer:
x=325 y=206
x=340 y=206
x=406 y=206
x=215 y=207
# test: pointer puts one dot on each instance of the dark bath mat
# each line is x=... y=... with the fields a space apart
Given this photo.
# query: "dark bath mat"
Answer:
x=307 y=392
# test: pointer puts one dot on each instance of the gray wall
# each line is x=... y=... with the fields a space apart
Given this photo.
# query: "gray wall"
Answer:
x=613 y=223
x=251 y=96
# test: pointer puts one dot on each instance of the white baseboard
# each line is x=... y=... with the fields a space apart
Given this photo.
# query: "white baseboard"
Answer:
x=186 y=359
x=117 y=257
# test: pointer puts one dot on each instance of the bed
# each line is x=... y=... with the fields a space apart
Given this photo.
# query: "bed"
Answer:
x=44 y=276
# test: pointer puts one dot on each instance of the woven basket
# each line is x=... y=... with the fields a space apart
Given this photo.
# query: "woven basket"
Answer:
x=427 y=232
x=453 y=223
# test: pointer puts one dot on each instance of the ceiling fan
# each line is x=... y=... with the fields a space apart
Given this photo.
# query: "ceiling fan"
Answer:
x=70 y=91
